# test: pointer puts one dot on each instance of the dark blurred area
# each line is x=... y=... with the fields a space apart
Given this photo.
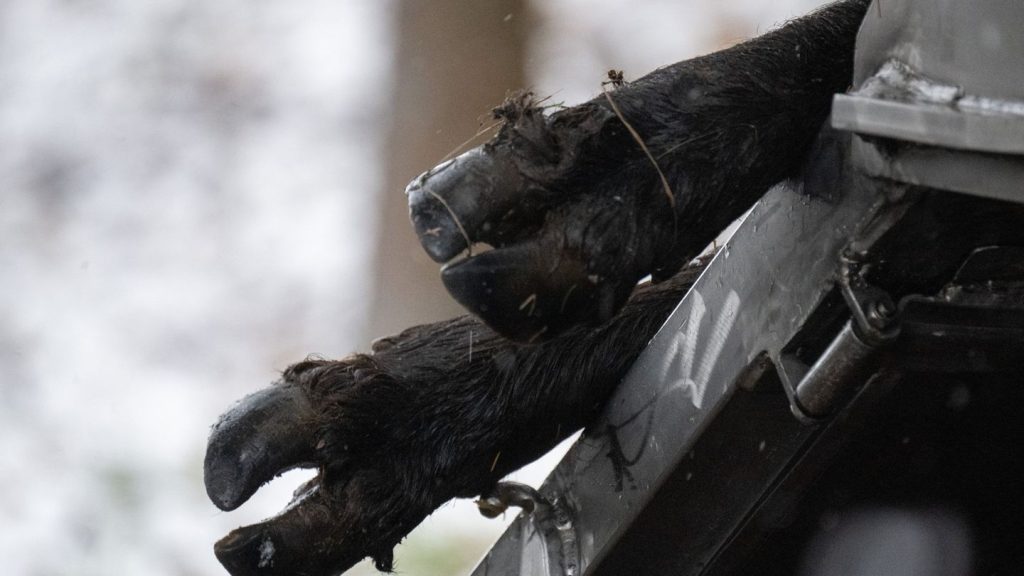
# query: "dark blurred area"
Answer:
x=891 y=542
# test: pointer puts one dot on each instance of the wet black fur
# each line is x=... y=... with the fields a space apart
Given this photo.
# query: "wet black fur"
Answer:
x=582 y=214
x=723 y=128
x=447 y=409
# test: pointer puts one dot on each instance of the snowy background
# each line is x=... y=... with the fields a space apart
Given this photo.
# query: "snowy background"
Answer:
x=187 y=193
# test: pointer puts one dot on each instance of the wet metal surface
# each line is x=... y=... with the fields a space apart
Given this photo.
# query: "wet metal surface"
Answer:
x=899 y=103
x=973 y=45
x=999 y=176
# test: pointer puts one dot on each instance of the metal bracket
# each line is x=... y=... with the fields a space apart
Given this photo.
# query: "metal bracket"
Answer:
x=816 y=391
x=549 y=518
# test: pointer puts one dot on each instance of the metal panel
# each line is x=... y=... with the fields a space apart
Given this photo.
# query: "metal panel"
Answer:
x=933 y=124
x=974 y=45
x=989 y=175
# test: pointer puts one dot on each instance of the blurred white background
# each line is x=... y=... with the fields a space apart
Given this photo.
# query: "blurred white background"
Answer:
x=189 y=202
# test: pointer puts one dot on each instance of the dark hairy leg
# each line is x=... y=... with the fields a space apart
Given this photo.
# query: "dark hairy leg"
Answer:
x=439 y=411
x=576 y=213
x=578 y=210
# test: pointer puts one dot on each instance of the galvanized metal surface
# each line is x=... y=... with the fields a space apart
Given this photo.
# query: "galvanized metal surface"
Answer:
x=990 y=175
x=898 y=102
x=948 y=76
x=933 y=124
x=974 y=45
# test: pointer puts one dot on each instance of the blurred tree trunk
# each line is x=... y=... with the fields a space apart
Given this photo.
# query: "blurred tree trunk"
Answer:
x=455 y=60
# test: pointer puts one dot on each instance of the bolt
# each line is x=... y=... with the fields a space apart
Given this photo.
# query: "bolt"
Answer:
x=880 y=312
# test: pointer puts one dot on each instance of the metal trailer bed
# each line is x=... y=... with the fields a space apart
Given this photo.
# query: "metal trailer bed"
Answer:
x=858 y=344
